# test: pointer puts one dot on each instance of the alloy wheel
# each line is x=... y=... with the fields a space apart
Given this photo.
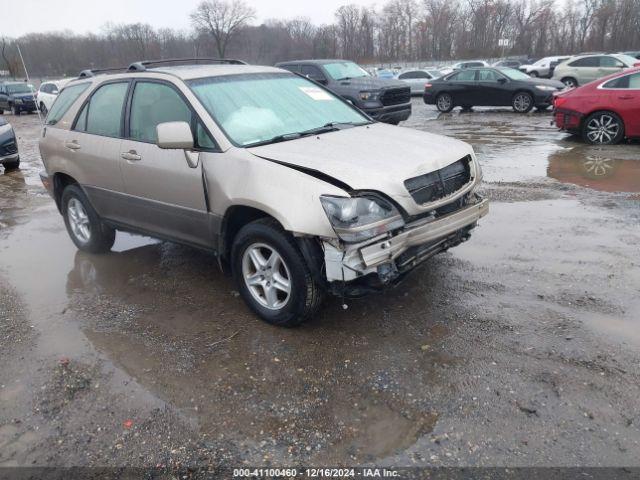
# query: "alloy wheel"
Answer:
x=602 y=129
x=444 y=102
x=266 y=276
x=79 y=220
x=522 y=102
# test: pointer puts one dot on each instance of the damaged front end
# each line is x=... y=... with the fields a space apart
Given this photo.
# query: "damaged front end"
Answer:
x=378 y=243
x=357 y=269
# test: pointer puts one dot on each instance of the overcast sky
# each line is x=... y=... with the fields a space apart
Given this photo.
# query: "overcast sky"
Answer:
x=89 y=15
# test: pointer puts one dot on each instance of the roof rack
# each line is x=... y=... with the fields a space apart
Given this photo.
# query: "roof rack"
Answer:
x=143 y=65
x=96 y=71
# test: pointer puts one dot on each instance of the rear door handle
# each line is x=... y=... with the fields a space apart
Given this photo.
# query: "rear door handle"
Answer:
x=131 y=155
x=72 y=145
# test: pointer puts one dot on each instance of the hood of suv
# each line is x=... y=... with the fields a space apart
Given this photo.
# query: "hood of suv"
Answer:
x=372 y=83
x=376 y=157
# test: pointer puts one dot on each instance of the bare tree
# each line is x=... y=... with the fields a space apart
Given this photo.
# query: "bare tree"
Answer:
x=222 y=20
x=9 y=62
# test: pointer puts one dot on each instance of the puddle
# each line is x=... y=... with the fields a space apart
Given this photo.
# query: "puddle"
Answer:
x=580 y=257
x=600 y=168
x=514 y=148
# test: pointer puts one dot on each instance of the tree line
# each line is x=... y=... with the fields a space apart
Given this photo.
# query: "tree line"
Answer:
x=400 y=30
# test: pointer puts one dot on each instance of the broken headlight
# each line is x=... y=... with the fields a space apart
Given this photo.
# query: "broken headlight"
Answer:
x=355 y=219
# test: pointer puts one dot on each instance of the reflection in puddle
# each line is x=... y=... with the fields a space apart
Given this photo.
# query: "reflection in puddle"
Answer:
x=600 y=169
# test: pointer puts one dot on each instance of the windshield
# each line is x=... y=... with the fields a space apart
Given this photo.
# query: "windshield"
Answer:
x=18 y=88
x=256 y=108
x=514 y=74
x=344 y=70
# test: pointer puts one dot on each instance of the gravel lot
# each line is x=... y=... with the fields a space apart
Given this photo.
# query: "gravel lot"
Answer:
x=518 y=348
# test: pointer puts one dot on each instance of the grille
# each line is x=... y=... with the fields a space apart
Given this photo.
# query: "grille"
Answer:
x=8 y=148
x=396 y=96
x=441 y=183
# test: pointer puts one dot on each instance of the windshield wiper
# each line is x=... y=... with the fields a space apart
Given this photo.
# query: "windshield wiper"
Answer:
x=326 y=128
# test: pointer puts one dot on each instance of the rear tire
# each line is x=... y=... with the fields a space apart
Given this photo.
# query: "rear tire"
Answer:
x=87 y=231
x=522 y=102
x=43 y=109
x=13 y=165
x=534 y=74
x=272 y=275
x=15 y=110
x=603 y=128
x=444 y=102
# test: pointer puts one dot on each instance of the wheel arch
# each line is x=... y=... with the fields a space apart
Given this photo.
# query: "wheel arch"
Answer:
x=236 y=217
x=60 y=182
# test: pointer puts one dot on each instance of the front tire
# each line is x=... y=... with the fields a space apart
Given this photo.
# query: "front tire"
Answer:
x=603 y=128
x=570 y=82
x=13 y=165
x=83 y=224
x=444 y=102
x=522 y=102
x=43 y=109
x=534 y=74
x=272 y=275
x=15 y=110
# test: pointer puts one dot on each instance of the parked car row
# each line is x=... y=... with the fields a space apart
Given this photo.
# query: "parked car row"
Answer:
x=18 y=97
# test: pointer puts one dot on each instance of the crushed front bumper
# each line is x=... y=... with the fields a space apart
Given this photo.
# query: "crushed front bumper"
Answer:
x=386 y=259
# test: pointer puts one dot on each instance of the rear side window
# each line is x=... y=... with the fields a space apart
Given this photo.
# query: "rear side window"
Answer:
x=102 y=115
x=610 y=62
x=413 y=75
x=488 y=76
x=586 y=62
x=64 y=101
x=627 y=81
x=152 y=104
x=464 y=76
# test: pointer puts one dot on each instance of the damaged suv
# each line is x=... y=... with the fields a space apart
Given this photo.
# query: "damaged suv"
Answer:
x=297 y=192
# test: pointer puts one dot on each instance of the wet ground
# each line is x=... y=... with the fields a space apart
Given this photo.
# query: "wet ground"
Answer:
x=517 y=348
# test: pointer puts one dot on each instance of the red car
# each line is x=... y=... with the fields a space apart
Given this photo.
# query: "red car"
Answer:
x=602 y=112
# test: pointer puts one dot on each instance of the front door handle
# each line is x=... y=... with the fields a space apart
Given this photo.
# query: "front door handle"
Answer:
x=72 y=145
x=626 y=97
x=131 y=155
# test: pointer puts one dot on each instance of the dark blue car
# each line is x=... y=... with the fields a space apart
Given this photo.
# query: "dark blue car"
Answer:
x=17 y=97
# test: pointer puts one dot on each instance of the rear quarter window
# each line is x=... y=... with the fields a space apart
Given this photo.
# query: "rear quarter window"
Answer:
x=63 y=102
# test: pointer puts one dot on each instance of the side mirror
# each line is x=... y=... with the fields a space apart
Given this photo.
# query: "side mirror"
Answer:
x=637 y=64
x=178 y=136
x=175 y=136
x=502 y=80
x=54 y=92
